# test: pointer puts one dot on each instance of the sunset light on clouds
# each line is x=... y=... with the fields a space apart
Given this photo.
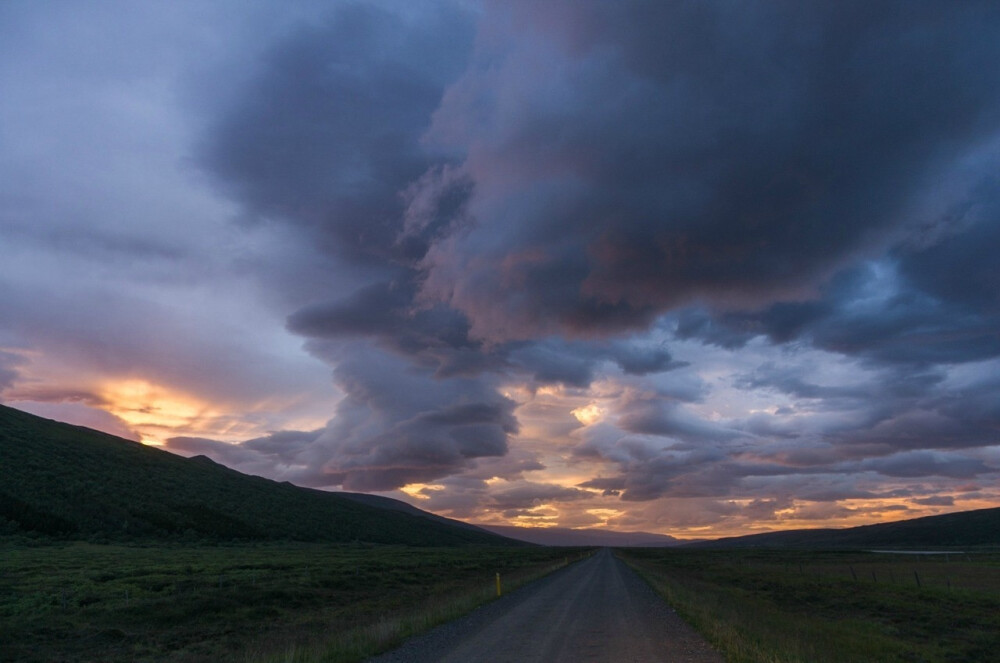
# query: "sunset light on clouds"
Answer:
x=701 y=269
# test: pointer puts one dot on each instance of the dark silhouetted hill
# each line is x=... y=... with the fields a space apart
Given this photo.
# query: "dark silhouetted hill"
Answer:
x=72 y=482
x=965 y=529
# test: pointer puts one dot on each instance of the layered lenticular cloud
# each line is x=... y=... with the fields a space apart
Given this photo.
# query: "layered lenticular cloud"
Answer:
x=678 y=266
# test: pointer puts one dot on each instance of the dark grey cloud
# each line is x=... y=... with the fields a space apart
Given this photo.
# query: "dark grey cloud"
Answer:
x=438 y=338
x=765 y=509
x=921 y=428
x=945 y=308
x=9 y=363
x=956 y=262
x=793 y=383
x=664 y=418
x=698 y=152
x=647 y=470
x=924 y=463
x=873 y=414
x=725 y=331
x=326 y=134
x=650 y=473
x=894 y=409
x=284 y=446
x=575 y=363
x=902 y=410
x=937 y=500
x=398 y=425
x=610 y=486
x=920 y=305
x=525 y=495
x=635 y=360
x=911 y=328
x=835 y=491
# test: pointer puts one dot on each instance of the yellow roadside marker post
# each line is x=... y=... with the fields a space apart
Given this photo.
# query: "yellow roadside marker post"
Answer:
x=498 y=584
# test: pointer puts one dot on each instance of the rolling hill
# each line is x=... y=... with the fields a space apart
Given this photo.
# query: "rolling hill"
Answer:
x=71 y=482
x=965 y=529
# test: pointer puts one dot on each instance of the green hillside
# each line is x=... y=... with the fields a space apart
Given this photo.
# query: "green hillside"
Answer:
x=71 y=482
x=965 y=529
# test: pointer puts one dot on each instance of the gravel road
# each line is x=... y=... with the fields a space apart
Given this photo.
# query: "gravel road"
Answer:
x=595 y=610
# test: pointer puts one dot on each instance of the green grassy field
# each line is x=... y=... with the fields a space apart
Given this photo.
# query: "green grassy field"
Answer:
x=784 y=606
x=86 y=602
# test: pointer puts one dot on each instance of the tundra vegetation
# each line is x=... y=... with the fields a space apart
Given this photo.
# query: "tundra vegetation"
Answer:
x=784 y=606
x=76 y=601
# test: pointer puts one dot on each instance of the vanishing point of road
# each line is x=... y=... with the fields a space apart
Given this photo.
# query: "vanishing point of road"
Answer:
x=595 y=610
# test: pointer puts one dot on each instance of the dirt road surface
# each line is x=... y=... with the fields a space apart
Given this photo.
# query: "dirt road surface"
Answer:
x=595 y=610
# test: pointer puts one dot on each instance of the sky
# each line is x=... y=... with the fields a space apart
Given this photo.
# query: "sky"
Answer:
x=698 y=268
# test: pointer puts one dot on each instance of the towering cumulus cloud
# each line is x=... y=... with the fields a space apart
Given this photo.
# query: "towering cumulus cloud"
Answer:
x=327 y=138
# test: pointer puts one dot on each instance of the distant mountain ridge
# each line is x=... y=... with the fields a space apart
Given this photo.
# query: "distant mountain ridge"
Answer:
x=969 y=529
x=562 y=536
x=72 y=482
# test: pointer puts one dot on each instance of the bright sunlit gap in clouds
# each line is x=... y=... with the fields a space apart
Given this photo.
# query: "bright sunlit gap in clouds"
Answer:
x=153 y=411
x=589 y=414
x=572 y=263
x=419 y=491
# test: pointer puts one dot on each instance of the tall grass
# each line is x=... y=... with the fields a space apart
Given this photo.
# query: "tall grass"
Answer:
x=763 y=612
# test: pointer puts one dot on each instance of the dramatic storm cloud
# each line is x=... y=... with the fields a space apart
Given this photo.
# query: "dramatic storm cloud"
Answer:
x=692 y=267
x=659 y=154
